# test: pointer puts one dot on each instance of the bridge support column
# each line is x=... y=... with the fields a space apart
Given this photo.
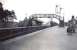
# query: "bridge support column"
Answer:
x=61 y=22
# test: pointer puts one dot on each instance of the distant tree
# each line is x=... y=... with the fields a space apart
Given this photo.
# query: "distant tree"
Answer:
x=30 y=21
x=5 y=15
x=20 y=24
x=23 y=23
x=1 y=12
x=8 y=14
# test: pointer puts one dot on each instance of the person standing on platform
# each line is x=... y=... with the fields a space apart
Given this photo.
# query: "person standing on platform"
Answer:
x=72 y=24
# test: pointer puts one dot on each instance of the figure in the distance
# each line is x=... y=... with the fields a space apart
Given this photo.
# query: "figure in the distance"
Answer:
x=71 y=25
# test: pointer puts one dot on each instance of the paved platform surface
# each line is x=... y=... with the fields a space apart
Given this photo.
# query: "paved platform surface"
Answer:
x=53 y=38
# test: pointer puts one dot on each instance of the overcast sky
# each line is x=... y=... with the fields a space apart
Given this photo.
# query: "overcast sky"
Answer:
x=25 y=8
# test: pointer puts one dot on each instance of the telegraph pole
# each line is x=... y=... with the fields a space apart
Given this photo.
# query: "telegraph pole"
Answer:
x=61 y=20
x=58 y=11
